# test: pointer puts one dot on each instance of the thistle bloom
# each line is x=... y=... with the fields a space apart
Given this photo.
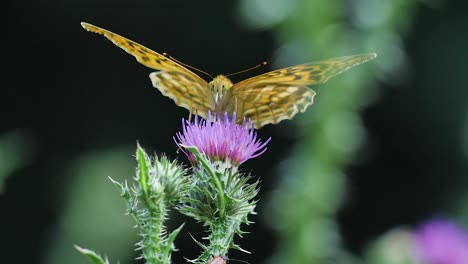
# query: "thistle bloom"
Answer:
x=222 y=139
x=442 y=242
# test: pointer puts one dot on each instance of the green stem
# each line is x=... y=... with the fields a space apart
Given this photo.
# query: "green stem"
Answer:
x=153 y=244
x=221 y=198
x=221 y=237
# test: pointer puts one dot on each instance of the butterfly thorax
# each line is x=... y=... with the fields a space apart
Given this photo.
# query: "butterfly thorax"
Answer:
x=221 y=94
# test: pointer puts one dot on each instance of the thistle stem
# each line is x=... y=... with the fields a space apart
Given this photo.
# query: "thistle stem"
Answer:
x=152 y=242
x=221 y=198
x=221 y=237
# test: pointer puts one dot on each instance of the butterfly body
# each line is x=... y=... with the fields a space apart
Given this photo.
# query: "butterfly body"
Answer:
x=267 y=98
x=220 y=92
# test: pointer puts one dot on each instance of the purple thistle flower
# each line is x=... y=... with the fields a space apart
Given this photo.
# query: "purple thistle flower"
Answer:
x=442 y=242
x=222 y=139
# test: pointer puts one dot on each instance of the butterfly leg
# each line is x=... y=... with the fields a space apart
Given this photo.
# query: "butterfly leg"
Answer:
x=190 y=117
x=235 y=106
x=194 y=111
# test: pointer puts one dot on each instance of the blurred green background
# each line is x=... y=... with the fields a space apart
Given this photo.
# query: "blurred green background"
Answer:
x=384 y=146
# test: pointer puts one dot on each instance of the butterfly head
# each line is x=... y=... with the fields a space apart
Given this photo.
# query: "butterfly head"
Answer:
x=219 y=87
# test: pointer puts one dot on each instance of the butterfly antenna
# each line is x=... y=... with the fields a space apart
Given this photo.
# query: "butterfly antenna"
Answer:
x=186 y=65
x=249 y=69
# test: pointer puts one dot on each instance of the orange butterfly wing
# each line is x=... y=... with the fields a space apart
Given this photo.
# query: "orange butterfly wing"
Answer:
x=187 y=89
x=281 y=94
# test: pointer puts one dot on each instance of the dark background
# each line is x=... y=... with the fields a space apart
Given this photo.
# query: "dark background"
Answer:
x=67 y=92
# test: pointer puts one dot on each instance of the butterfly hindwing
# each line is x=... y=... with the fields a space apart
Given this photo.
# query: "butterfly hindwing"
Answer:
x=186 y=92
x=270 y=103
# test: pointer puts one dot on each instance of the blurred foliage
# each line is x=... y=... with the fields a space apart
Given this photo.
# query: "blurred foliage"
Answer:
x=313 y=179
x=394 y=247
x=93 y=215
x=17 y=149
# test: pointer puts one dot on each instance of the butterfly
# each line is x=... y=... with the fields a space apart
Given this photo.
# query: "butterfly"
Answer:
x=267 y=98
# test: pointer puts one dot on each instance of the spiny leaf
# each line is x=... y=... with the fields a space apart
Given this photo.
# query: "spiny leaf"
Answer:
x=173 y=235
x=92 y=256
x=143 y=171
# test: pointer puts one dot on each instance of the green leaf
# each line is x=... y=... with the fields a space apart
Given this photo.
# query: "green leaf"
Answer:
x=205 y=249
x=143 y=171
x=123 y=189
x=92 y=256
x=173 y=235
x=202 y=159
x=237 y=247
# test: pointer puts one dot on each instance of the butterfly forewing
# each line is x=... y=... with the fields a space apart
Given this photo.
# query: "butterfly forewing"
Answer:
x=308 y=73
x=187 y=89
x=278 y=95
